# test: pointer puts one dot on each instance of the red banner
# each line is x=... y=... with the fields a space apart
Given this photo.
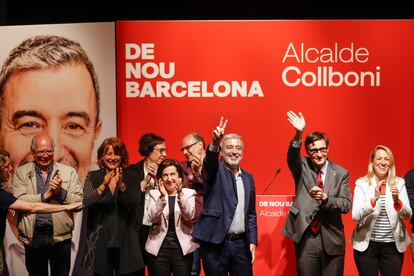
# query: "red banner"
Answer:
x=350 y=79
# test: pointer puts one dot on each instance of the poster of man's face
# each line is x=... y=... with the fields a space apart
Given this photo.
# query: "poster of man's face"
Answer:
x=59 y=80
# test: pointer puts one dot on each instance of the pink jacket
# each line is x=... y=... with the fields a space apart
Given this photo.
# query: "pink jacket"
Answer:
x=184 y=214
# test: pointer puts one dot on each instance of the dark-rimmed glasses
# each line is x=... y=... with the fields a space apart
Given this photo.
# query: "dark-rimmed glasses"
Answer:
x=188 y=147
x=161 y=150
x=42 y=152
x=321 y=150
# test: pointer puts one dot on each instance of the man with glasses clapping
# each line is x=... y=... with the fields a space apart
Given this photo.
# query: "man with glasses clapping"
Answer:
x=46 y=237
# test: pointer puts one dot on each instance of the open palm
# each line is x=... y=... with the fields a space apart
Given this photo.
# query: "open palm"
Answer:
x=297 y=121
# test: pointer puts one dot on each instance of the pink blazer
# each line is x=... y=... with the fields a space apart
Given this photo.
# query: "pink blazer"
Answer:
x=184 y=214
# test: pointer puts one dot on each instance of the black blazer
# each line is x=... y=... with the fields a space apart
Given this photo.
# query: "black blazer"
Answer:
x=138 y=168
x=128 y=204
x=409 y=184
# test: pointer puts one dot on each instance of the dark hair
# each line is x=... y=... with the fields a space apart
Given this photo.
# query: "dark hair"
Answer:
x=167 y=163
x=198 y=138
x=315 y=136
x=147 y=143
x=119 y=149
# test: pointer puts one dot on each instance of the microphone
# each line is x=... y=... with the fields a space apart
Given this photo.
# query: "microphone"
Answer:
x=271 y=180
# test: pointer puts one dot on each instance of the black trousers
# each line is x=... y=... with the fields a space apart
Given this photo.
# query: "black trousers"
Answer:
x=43 y=250
x=112 y=265
x=379 y=256
x=170 y=260
x=311 y=258
x=143 y=235
x=232 y=256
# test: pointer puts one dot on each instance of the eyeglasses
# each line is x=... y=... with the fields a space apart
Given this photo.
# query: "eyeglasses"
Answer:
x=316 y=151
x=188 y=147
x=42 y=152
x=161 y=150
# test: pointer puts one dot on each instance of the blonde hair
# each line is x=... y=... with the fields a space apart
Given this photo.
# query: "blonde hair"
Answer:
x=392 y=177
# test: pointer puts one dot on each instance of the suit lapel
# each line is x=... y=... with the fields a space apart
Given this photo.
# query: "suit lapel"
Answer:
x=330 y=174
x=141 y=174
x=246 y=185
x=230 y=190
x=312 y=171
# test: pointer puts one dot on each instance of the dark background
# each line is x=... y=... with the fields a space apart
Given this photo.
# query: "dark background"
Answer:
x=22 y=12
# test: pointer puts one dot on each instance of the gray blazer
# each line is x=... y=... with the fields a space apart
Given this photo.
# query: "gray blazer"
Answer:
x=305 y=208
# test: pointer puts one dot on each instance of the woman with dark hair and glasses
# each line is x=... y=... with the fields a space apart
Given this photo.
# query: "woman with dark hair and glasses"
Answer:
x=171 y=211
x=112 y=200
x=152 y=148
x=380 y=206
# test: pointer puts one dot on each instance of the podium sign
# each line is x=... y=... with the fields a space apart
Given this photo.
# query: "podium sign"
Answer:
x=275 y=254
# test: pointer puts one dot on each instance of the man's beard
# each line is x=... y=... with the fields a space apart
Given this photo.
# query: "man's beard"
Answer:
x=231 y=163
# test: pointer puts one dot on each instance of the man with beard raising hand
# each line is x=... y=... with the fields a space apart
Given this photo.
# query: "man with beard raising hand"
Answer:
x=227 y=227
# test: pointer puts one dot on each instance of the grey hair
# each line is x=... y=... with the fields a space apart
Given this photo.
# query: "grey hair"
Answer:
x=33 y=144
x=231 y=136
x=46 y=51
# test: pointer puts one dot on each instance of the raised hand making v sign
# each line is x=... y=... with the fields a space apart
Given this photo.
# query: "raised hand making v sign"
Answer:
x=218 y=132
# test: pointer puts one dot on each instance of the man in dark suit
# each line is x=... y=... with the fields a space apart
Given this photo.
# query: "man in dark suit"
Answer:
x=314 y=222
x=227 y=227
x=409 y=184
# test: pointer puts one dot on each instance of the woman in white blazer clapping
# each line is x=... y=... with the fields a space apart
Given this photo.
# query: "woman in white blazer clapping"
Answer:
x=379 y=207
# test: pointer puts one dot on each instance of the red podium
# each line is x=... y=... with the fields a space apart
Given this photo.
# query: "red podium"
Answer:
x=275 y=254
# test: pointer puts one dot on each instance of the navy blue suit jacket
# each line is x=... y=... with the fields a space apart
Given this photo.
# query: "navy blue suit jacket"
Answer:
x=220 y=201
x=409 y=184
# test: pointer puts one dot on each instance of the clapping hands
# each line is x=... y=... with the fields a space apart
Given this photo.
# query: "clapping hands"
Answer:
x=196 y=164
x=152 y=173
x=377 y=193
x=161 y=188
x=55 y=186
x=394 y=193
x=113 y=179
